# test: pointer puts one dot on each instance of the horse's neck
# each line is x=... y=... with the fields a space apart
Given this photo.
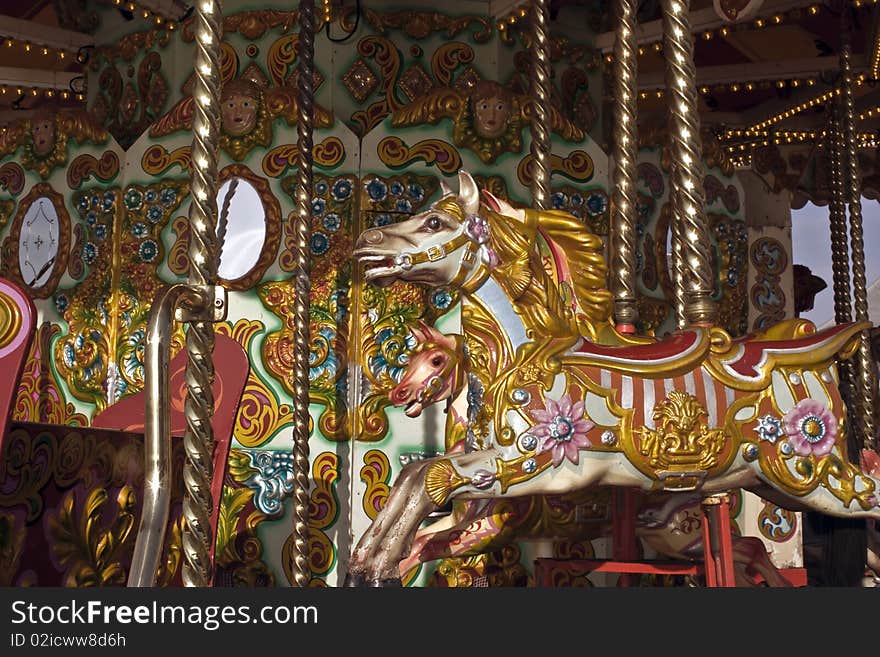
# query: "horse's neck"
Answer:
x=495 y=303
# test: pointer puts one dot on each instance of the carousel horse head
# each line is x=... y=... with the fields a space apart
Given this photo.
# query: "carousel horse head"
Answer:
x=439 y=246
x=435 y=370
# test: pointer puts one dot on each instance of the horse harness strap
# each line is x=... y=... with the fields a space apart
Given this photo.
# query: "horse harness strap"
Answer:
x=435 y=252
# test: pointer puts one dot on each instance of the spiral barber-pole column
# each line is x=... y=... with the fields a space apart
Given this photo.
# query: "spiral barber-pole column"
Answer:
x=694 y=272
x=867 y=377
x=839 y=239
x=299 y=568
x=837 y=219
x=625 y=152
x=203 y=264
x=540 y=131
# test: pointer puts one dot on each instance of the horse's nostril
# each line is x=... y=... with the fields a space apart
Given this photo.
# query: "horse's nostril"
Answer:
x=400 y=395
x=372 y=237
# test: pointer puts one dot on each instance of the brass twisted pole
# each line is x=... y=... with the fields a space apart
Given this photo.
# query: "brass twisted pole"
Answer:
x=300 y=571
x=625 y=153
x=867 y=384
x=203 y=263
x=695 y=265
x=539 y=128
x=837 y=219
x=839 y=246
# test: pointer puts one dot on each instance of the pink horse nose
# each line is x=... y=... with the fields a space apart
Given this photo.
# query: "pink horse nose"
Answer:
x=400 y=395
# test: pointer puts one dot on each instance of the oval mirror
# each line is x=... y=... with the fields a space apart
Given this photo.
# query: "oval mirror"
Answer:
x=245 y=229
x=38 y=242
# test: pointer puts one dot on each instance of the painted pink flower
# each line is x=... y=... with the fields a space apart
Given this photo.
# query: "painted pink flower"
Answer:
x=561 y=428
x=810 y=427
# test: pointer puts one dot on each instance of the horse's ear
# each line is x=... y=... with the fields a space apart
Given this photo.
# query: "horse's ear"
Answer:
x=418 y=332
x=426 y=331
x=502 y=207
x=468 y=193
x=491 y=200
x=445 y=190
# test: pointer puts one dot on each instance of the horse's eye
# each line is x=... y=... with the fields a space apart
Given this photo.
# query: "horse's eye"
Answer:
x=437 y=361
x=433 y=223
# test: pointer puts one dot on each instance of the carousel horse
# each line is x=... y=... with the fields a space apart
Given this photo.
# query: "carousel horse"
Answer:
x=670 y=524
x=563 y=402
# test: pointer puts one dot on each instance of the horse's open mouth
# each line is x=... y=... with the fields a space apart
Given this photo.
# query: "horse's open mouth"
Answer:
x=413 y=408
x=379 y=267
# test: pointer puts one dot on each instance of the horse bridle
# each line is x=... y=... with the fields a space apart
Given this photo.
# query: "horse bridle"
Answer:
x=453 y=370
x=408 y=259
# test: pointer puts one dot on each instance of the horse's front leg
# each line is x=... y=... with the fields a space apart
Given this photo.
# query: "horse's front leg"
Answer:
x=377 y=556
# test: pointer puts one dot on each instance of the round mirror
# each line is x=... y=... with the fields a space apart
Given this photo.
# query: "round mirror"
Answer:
x=245 y=229
x=38 y=242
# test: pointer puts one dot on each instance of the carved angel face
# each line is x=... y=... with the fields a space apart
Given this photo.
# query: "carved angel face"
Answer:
x=238 y=112
x=43 y=134
x=491 y=115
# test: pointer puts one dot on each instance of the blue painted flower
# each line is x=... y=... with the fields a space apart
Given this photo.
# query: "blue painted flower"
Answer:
x=403 y=205
x=640 y=261
x=139 y=230
x=151 y=195
x=133 y=199
x=341 y=189
x=577 y=199
x=721 y=230
x=732 y=277
x=101 y=231
x=318 y=206
x=90 y=252
x=83 y=203
x=321 y=187
x=320 y=243
x=91 y=218
x=94 y=201
x=148 y=250
x=597 y=204
x=108 y=201
x=331 y=222
x=769 y=428
x=377 y=189
x=397 y=188
x=577 y=213
x=558 y=200
x=61 y=302
x=154 y=213
x=416 y=192
x=382 y=220
x=441 y=299
x=168 y=197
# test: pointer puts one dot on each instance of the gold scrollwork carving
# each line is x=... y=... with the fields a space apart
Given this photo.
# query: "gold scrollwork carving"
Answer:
x=84 y=166
x=395 y=153
x=156 y=160
x=91 y=555
x=328 y=154
x=375 y=473
x=577 y=166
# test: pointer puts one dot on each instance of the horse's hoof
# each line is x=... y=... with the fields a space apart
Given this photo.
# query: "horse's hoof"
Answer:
x=388 y=583
x=354 y=581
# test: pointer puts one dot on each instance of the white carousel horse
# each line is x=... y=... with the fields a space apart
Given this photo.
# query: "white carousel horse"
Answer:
x=671 y=524
x=694 y=412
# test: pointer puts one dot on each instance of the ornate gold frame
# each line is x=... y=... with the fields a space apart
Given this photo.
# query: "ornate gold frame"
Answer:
x=10 y=267
x=272 y=217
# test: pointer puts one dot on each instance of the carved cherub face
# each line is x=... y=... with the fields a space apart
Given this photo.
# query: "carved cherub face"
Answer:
x=238 y=110
x=491 y=113
x=43 y=134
